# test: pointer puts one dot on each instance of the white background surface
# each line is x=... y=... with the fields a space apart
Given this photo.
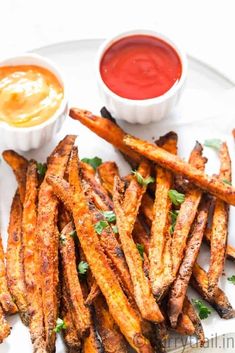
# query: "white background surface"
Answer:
x=206 y=29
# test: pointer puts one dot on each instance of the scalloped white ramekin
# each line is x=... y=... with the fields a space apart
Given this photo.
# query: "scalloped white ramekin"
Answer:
x=146 y=110
x=27 y=138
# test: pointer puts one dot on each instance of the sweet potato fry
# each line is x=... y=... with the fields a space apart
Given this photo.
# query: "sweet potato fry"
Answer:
x=14 y=263
x=167 y=160
x=46 y=230
x=106 y=129
x=160 y=256
x=219 y=230
x=107 y=171
x=19 y=166
x=78 y=310
x=112 y=339
x=31 y=263
x=5 y=329
x=91 y=343
x=219 y=301
x=93 y=294
x=6 y=300
x=191 y=312
x=187 y=211
x=185 y=325
x=146 y=208
x=126 y=213
x=230 y=250
x=119 y=307
x=180 y=285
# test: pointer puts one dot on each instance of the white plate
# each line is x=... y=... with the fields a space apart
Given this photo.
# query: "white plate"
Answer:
x=192 y=121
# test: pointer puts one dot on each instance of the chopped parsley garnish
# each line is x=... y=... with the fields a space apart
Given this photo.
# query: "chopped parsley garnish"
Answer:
x=203 y=310
x=60 y=325
x=115 y=229
x=41 y=169
x=213 y=143
x=73 y=234
x=176 y=197
x=232 y=279
x=141 y=180
x=100 y=226
x=225 y=181
x=83 y=267
x=94 y=162
x=174 y=215
x=109 y=216
x=140 y=248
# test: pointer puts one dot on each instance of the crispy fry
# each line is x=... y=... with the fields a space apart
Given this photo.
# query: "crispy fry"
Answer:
x=230 y=250
x=107 y=171
x=160 y=256
x=126 y=213
x=5 y=329
x=191 y=312
x=106 y=129
x=79 y=313
x=112 y=339
x=146 y=208
x=93 y=294
x=6 y=300
x=180 y=285
x=46 y=230
x=31 y=263
x=19 y=166
x=91 y=343
x=185 y=325
x=219 y=230
x=219 y=301
x=14 y=264
x=119 y=307
x=167 y=160
x=187 y=211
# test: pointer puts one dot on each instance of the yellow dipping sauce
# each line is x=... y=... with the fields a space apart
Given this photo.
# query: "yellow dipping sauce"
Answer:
x=29 y=95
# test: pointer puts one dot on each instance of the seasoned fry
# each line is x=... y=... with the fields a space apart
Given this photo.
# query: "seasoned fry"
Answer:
x=185 y=325
x=19 y=166
x=219 y=301
x=167 y=160
x=6 y=300
x=219 y=230
x=106 y=129
x=187 y=211
x=79 y=312
x=93 y=294
x=91 y=343
x=46 y=230
x=119 y=307
x=126 y=213
x=5 y=329
x=146 y=208
x=180 y=285
x=107 y=171
x=14 y=264
x=31 y=263
x=112 y=339
x=191 y=312
x=160 y=256
x=230 y=250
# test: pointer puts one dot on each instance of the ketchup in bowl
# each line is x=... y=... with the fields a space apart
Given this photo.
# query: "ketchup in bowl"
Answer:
x=140 y=67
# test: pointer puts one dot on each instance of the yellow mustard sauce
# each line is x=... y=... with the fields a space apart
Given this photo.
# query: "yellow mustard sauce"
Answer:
x=29 y=95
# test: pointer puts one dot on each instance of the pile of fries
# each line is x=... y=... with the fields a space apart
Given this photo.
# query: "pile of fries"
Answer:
x=107 y=260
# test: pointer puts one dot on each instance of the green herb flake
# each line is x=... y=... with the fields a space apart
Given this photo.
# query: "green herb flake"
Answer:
x=231 y=279
x=73 y=234
x=60 y=325
x=83 y=267
x=176 y=197
x=100 y=226
x=109 y=216
x=115 y=229
x=140 y=248
x=63 y=239
x=203 y=310
x=142 y=181
x=94 y=162
x=225 y=181
x=41 y=169
x=174 y=215
x=213 y=143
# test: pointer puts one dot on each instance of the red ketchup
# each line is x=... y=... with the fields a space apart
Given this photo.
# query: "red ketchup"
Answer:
x=140 y=67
